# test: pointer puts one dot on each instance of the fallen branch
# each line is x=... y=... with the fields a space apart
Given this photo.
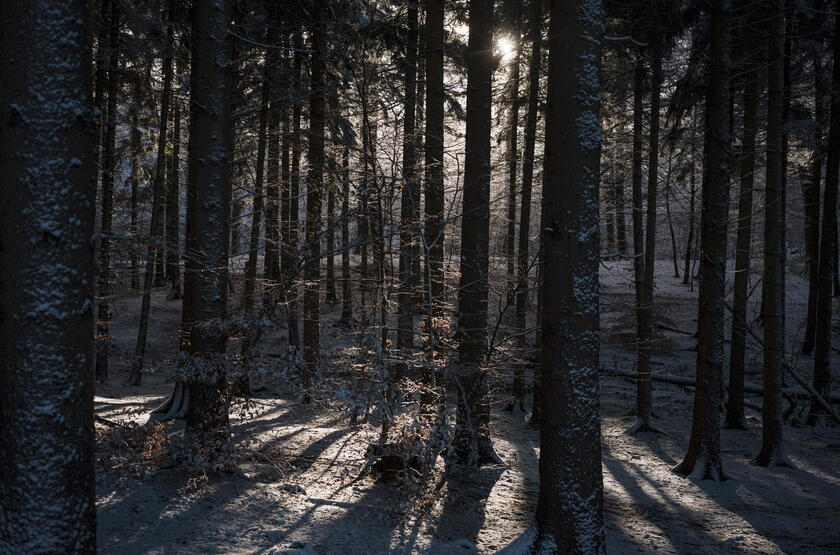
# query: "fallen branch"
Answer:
x=691 y=382
x=111 y=423
x=813 y=392
x=808 y=387
x=675 y=330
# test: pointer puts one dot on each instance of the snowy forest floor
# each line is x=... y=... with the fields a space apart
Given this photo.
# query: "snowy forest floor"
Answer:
x=296 y=487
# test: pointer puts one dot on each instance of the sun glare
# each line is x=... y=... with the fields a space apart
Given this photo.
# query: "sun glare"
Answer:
x=506 y=48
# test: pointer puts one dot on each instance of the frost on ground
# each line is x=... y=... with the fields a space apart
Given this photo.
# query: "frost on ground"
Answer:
x=299 y=490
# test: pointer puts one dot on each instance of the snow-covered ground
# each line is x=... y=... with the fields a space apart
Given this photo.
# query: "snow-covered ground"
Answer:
x=300 y=488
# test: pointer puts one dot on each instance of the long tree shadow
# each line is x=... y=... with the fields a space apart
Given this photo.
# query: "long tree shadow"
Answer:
x=463 y=513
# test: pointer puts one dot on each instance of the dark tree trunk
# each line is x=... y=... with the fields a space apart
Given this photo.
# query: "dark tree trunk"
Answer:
x=688 y=269
x=703 y=459
x=811 y=196
x=136 y=172
x=644 y=316
x=570 y=507
x=47 y=207
x=173 y=247
x=291 y=266
x=735 y=402
x=332 y=167
x=828 y=243
x=314 y=184
x=156 y=225
x=473 y=446
x=210 y=159
x=102 y=29
x=103 y=344
x=417 y=272
x=524 y=262
x=674 y=255
x=409 y=203
x=772 y=452
x=271 y=269
x=638 y=220
x=250 y=288
x=346 y=284
x=332 y=295
x=515 y=24
x=434 y=230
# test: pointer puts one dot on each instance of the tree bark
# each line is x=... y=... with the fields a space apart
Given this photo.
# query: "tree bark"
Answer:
x=210 y=159
x=828 y=243
x=638 y=220
x=409 y=203
x=524 y=262
x=332 y=168
x=703 y=458
x=173 y=247
x=292 y=264
x=136 y=173
x=772 y=450
x=473 y=445
x=811 y=197
x=735 y=401
x=155 y=227
x=250 y=287
x=515 y=29
x=103 y=343
x=434 y=230
x=271 y=269
x=346 y=285
x=47 y=207
x=570 y=507
x=688 y=270
x=314 y=184
x=644 y=313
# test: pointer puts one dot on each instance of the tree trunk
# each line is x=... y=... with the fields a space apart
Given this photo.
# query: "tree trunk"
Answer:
x=102 y=30
x=314 y=184
x=173 y=248
x=292 y=264
x=515 y=24
x=155 y=227
x=688 y=270
x=103 y=343
x=473 y=446
x=210 y=159
x=735 y=400
x=250 y=288
x=434 y=230
x=638 y=124
x=674 y=255
x=136 y=173
x=332 y=166
x=346 y=284
x=47 y=212
x=772 y=451
x=271 y=269
x=409 y=204
x=703 y=458
x=570 y=507
x=524 y=262
x=828 y=243
x=332 y=296
x=644 y=399
x=811 y=196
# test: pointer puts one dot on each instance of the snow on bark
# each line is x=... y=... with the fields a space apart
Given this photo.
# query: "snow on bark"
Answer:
x=570 y=507
x=46 y=279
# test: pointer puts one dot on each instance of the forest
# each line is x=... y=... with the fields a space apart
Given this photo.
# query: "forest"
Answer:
x=419 y=276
